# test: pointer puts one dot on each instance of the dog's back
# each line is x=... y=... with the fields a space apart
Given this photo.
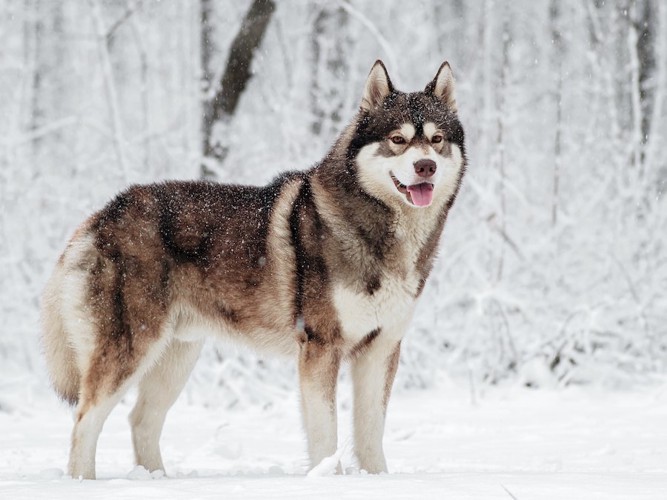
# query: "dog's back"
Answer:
x=163 y=256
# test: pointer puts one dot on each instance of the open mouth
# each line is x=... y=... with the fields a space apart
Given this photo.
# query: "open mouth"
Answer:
x=420 y=195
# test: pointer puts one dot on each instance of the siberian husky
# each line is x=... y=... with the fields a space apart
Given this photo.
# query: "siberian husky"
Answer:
x=324 y=265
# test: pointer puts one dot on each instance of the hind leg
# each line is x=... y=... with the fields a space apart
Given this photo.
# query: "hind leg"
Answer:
x=158 y=390
x=104 y=381
x=104 y=384
x=91 y=413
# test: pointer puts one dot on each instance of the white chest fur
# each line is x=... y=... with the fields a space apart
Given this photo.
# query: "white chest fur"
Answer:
x=389 y=308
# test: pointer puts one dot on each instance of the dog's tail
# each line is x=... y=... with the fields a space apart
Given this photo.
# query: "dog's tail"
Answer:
x=60 y=356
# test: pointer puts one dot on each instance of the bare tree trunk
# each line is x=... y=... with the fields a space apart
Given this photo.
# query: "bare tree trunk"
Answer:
x=36 y=106
x=219 y=105
x=207 y=50
x=450 y=40
x=641 y=50
x=635 y=98
x=46 y=43
x=116 y=118
x=645 y=22
x=655 y=139
x=555 y=22
x=500 y=139
x=140 y=44
x=330 y=47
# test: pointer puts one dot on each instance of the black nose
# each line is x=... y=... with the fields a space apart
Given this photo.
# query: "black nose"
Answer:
x=425 y=168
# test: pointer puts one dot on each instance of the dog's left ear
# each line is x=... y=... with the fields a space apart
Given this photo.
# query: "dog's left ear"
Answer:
x=378 y=86
x=442 y=86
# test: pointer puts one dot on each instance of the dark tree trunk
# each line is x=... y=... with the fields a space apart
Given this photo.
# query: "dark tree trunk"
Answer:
x=645 y=23
x=219 y=106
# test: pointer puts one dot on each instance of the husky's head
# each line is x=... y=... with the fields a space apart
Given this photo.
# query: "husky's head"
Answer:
x=408 y=147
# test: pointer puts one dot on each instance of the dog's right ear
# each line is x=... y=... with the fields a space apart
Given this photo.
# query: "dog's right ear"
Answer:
x=378 y=86
x=442 y=86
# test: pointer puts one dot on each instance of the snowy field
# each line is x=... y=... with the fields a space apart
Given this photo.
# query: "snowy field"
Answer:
x=511 y=443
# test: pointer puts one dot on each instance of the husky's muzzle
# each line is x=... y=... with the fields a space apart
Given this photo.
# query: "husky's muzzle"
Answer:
x=419 y=194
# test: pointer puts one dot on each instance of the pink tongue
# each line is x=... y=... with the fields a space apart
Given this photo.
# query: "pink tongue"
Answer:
x=422 y=194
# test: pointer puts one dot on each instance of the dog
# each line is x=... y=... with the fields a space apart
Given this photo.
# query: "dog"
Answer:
x=323 y=265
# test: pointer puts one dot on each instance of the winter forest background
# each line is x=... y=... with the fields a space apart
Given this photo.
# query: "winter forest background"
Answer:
x=553 y=266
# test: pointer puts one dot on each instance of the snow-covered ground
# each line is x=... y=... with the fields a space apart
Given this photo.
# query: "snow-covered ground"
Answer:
x=511 y=443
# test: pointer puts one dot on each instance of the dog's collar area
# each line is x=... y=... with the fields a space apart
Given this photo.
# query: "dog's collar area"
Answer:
x=423 y=192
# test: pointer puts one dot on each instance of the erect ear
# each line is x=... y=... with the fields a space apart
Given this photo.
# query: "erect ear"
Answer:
x=442 y=86
x=378 y=86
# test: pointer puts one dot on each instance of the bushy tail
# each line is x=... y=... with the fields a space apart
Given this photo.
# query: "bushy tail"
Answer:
x=60 y=356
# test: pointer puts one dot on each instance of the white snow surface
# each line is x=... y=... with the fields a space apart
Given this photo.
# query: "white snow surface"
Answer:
x=511 y=442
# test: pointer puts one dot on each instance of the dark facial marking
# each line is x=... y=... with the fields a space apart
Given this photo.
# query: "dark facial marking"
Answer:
x=417 y=108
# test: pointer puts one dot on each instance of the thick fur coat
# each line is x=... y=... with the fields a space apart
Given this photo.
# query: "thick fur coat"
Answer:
x=324 y=265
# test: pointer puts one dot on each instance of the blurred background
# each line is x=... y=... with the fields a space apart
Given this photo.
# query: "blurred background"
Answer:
x=553 y=266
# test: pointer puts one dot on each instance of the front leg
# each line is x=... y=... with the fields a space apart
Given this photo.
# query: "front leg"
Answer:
x=373 y=371
x=318 y=372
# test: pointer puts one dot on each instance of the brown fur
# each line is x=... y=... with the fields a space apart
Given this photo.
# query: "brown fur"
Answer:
x=365 y=343
x=259 y=264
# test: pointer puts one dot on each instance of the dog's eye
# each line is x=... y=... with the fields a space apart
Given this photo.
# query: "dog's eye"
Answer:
x=397 y=139
x=437 y=138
